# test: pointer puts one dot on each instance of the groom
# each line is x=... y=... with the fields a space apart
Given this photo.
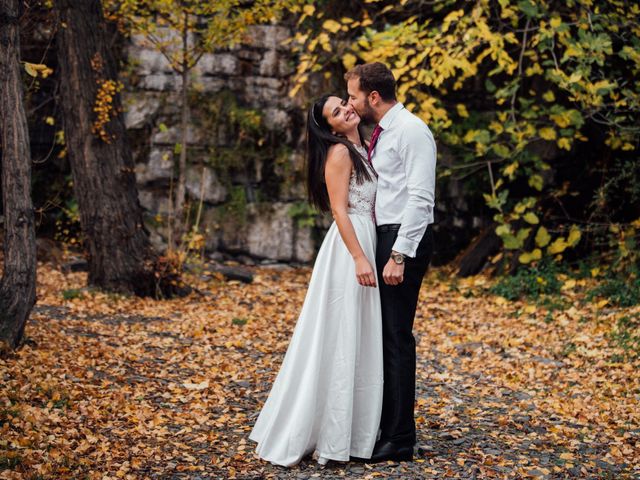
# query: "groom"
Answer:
x=403 y=153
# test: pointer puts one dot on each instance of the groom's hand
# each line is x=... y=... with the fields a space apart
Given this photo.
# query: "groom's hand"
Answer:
x=393 y=274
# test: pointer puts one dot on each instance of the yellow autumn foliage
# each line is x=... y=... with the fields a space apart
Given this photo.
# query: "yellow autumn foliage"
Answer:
x=538 y=71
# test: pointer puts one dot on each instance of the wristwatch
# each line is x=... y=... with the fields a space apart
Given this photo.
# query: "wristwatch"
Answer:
x=397 y=257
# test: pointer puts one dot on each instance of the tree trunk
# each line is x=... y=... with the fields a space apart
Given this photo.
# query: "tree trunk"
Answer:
x=18 y=285
x=119 y=252
x=476 y=256
x=181 y=192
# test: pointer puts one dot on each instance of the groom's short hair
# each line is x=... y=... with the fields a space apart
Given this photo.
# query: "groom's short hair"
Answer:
x=374 y=77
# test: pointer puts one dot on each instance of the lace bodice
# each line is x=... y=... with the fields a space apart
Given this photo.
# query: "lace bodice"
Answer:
x=362 y=198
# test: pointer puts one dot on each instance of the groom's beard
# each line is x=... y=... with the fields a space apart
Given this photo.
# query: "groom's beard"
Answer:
x=367 y=114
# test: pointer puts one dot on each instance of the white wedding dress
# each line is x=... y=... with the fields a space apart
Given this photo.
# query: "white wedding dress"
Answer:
x=327 y=397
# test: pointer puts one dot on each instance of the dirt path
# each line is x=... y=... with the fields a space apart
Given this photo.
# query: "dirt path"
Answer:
x=112 y=387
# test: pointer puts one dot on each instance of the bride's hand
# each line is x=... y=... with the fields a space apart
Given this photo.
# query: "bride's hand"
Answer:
x=364 y=273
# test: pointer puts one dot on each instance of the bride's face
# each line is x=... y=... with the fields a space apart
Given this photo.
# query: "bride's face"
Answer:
x=341 y=116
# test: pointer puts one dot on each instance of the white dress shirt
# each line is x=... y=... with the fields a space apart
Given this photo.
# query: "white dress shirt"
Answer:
x=405 y=159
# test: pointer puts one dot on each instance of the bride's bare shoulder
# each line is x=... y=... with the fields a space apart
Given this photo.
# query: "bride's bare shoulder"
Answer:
x=338 y=157
x=338 y=149
x=337 y=152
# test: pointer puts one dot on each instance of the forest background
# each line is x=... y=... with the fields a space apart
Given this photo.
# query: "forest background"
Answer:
x=534 y=105
x=166 y=140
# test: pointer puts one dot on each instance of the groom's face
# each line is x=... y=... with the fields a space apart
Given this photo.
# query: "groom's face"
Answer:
x=359 y=101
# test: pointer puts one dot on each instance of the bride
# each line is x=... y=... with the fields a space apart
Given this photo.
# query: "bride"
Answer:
x=327 y=396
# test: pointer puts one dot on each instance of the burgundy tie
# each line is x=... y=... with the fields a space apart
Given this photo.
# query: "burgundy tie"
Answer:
x=372 y=145
x=374 y=140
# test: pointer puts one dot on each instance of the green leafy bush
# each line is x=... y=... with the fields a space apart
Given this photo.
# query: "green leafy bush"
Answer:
x=72 y=293
x=626 y=335
x=619 y=291
x=532 y=282
x=528 y=101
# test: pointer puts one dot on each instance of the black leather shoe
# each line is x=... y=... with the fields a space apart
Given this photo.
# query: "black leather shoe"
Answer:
x=386 y=450
x=359 y=460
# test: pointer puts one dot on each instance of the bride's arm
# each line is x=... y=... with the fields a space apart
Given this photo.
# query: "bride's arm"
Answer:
x=337 y=174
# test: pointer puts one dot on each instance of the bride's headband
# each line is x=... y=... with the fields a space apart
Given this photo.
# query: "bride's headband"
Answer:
x=313 y=116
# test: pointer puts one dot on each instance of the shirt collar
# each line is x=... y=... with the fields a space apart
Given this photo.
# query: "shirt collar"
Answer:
x=390 y=116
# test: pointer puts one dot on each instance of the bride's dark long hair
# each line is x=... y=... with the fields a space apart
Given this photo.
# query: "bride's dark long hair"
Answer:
x=319 y=139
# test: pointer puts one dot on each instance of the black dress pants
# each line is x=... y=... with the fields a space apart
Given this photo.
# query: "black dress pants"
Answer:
x=399 y=347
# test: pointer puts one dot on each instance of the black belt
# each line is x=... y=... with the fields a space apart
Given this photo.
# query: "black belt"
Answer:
x=390 y=227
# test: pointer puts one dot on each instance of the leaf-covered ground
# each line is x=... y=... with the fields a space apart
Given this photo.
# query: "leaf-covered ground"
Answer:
x=115 y=387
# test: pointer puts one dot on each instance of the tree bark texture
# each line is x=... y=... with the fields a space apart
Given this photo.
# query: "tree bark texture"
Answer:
x=119 y=252
x=18 y=284
x=478 y=254
x=179 y=211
